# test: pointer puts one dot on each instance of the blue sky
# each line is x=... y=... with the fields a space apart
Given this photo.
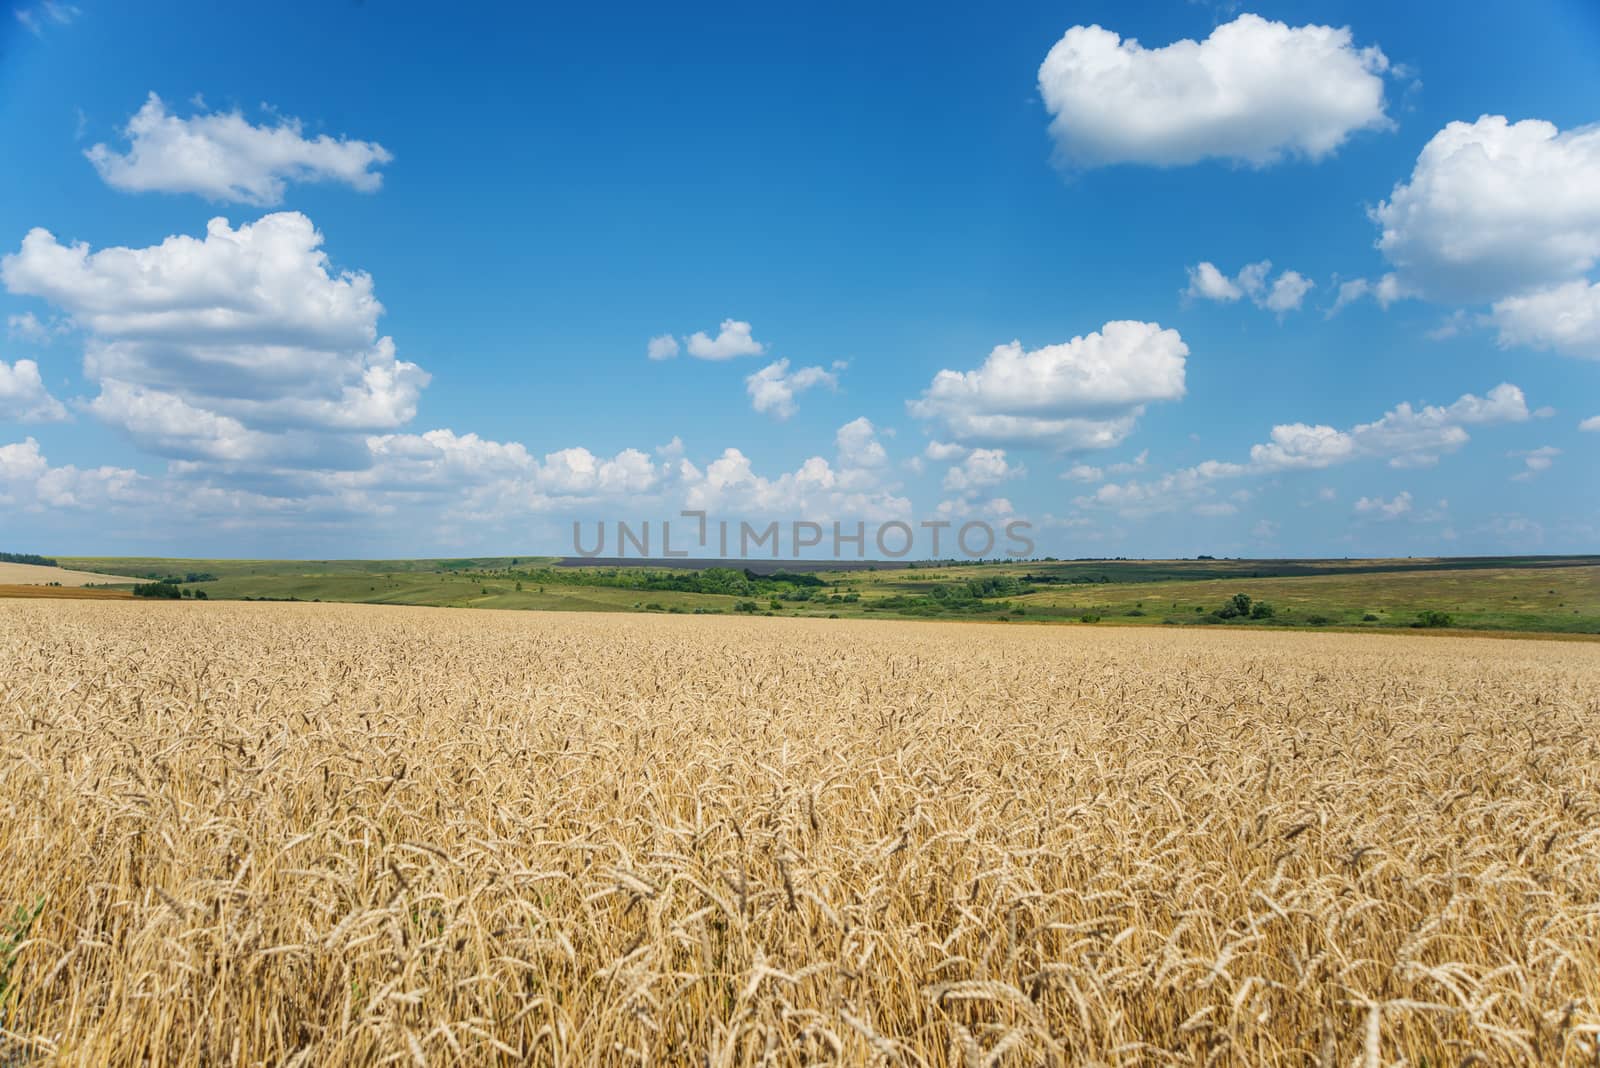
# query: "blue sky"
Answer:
x=533 y=196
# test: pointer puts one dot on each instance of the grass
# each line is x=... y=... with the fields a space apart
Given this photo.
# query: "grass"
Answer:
x=340 y=835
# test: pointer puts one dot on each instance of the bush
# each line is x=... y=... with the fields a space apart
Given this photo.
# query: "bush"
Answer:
x=1237 y=607
x=1088 y=617
x=1261 y=610
x=747 y=606
x=164 y=591
x=1369 y=618
x=1431 y=618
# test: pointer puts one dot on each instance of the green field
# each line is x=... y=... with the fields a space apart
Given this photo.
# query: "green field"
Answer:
x=1533 y=594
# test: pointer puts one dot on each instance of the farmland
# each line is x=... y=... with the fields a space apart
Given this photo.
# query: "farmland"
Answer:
x=353 y=835
x=1504 y=594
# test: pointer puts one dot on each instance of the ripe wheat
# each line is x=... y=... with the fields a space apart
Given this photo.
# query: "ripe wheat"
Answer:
x=336 y=835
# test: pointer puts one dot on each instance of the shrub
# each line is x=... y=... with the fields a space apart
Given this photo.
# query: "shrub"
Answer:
x=1261 y=610
x=164 y=591
x=1088 y=617
x=1431 y=618
x=1369 y=618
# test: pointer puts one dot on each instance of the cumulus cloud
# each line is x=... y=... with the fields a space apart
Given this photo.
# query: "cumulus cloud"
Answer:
x=1495 y=208
x=858 y=446
x=1564 y=318
x=21 y=462
x=1255 y=91
x=733 y=339
x=246 y=334
x=29 y=483
x=223 y=157
x=1208 y=283
x=662 y=347
x=1591 y=424
x=1535 y=462
x=982 y=468
x=773 y=388
x=730 y=486
x=23 y=396
x=1288 y=290
x=1405 y=437
x=1379 y=508
x=1282 y=295
x=1086 y=393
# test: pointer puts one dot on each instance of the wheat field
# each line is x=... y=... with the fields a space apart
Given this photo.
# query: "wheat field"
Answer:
x=345 y=835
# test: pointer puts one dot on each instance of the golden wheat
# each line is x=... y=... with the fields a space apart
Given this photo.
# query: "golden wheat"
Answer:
x=337 y=835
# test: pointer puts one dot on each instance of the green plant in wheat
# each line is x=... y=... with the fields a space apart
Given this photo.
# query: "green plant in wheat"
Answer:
x=11 y=942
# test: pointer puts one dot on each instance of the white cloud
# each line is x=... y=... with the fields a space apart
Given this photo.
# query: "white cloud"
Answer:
x=1379 y=508
x=1296 y=445
x=1084 y=393
x=1495 y=208
x=1386 y=290
x=245 y=333
x=21 y=462
x=577 y=471
x=1565 y=318
x=733 y=339
x=981 y=468
x=1535 y=461
x=773 y=388
x=1265 y=529
x=858 y=445
x=943 y=450
x=1591 y=424
x=222 y=157
x=1288 y=290
x=1404 y=436
x=23 y=396
x=46 y=12
x=1091 y=473
x=662 y=347
x=27 y=327
x=29 y=483
x=1083 y=473
x=1255 y=91
x=730 y=486
x=1284 y=294
x=1208 y=283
